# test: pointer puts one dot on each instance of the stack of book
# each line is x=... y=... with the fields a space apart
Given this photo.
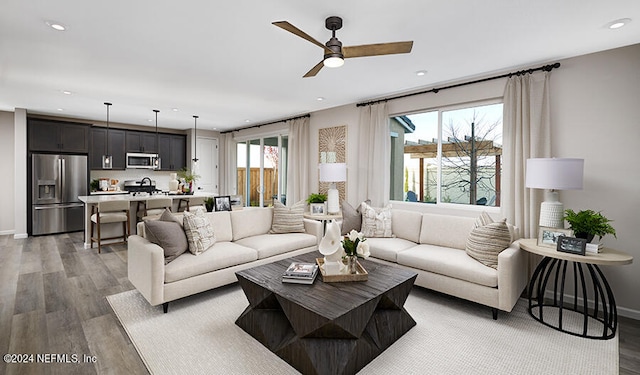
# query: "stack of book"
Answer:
x=593 y=248
x=300 y=273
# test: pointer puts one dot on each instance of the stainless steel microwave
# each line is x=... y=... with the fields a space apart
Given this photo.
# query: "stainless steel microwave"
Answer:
x=141 y=160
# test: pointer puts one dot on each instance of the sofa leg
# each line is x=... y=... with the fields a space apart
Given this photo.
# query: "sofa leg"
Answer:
x=165 y=307
x=494 y=311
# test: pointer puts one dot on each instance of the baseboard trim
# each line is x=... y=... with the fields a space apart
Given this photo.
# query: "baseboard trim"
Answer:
x=6 y=232
x=20 y=236
x=622 y=311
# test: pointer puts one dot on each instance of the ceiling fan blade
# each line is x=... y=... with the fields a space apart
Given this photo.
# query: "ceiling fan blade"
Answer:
x=377 y=49
x=314 y=70
x=294 y=30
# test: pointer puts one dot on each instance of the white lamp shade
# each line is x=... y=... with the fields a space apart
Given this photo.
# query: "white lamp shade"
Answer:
x=333 y=172
x=555 y=173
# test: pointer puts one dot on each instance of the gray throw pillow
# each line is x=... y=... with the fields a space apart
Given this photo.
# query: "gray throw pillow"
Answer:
x=487 y=240
x=168 y=234
x=351 y=218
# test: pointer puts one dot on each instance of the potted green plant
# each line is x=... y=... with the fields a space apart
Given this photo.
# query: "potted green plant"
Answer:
x=316 y=198
x=208 y=203
x=588 y=224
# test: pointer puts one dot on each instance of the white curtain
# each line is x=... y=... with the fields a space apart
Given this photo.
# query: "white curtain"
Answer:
x=298 y=160
x=527 y=134
x=374 y=154
x=228 y=164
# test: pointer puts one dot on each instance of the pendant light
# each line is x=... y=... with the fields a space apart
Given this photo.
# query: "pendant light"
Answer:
x=156 y=161
x=107 y=159
x=195 y=143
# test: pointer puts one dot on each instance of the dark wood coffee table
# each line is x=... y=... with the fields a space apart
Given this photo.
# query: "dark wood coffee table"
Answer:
x=326 y=328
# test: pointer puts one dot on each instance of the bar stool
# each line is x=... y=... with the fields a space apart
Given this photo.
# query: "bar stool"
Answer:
x=154 y=207
x=196 y=203
x=109 y=212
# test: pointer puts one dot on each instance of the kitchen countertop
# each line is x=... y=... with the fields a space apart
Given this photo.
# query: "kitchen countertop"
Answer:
x=93 y=199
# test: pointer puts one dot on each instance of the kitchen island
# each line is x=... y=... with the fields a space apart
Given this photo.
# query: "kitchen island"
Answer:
x=115 y=228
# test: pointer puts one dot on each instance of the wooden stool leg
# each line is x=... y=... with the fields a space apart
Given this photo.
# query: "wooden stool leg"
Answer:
x=99 y=235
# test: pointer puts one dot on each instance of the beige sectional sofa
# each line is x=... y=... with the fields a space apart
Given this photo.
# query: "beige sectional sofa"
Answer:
x=242 y=240
x=433 y=246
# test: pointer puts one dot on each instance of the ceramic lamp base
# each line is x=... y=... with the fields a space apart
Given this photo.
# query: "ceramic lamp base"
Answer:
x=552 y=211
x=333 y=200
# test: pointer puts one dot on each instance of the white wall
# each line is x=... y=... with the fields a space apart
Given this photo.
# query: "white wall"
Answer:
x=595 y=115
x=595 y=112
x=7 y=155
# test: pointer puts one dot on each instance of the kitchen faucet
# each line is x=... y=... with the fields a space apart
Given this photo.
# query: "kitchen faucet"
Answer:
x=143 y=179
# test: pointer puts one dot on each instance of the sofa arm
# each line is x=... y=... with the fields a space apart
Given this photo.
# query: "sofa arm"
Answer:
x=314 y=227
x=512 y=275
x=145 y=268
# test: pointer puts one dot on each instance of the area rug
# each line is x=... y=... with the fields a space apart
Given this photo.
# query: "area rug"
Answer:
x=452 y=336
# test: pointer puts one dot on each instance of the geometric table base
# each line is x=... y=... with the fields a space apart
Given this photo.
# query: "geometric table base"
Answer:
x=550 y=276
x=320 y=339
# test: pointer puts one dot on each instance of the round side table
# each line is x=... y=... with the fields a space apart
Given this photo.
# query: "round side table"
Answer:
x=324 y=218
x=590 y=287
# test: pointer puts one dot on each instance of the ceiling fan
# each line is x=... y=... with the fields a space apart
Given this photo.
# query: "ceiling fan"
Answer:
x=334 y=53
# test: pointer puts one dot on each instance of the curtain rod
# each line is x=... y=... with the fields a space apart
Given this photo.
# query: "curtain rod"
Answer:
x=546 y=68
x=266 y=123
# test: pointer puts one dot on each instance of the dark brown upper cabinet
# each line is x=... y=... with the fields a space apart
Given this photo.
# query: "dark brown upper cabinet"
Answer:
x=57 y=136
x=141 y=142
x=99 y=147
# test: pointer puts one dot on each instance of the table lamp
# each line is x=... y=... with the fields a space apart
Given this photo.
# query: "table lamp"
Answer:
x=333 y=172
x=554 y=174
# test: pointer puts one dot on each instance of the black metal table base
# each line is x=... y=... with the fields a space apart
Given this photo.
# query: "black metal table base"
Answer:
x=550 y=277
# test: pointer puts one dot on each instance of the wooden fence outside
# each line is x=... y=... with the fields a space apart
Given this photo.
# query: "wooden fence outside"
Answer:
x=270 y=184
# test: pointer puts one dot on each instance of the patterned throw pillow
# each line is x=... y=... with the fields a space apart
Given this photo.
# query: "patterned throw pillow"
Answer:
x=199 y=231
x=487 y=240
x=288 y=219
x=167 y=233
x=376 y=222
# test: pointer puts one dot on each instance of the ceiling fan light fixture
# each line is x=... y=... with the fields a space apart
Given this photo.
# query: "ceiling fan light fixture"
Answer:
x=333 y=62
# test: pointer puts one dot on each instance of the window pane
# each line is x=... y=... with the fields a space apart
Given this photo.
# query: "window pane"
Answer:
x=471 y=148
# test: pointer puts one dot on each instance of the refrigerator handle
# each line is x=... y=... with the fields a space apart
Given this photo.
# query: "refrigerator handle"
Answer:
x=63 y=176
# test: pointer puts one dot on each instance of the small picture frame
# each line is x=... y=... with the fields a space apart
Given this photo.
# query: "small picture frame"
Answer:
x=222 y=203
x=316 y=208
x=548 y=237
x=572 y=245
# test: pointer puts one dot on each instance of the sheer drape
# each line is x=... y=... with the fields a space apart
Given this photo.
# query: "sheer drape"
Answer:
x=298 y=160
x=374 y=154
x=526 y=135
x=228 y=165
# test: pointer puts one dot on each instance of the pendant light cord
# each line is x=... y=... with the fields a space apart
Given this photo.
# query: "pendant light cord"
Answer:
x=107 y=104
x=195 y=143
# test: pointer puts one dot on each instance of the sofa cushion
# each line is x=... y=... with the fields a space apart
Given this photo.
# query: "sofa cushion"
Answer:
x=168 y=234
x=220 y=255
x=288 y=219
x=221 y=223
x=199 y=231
x=445 y=230
x=273 y=244
x=376 y=222
x=250 y=221
x=449 y=262
x=406 y=224
x=388 y=248
x=486 y=241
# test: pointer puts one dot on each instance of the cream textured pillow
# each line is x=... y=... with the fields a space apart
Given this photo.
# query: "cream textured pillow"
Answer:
x=288 y=219
x=199 y=231
x=487 y=240
x=376 y=222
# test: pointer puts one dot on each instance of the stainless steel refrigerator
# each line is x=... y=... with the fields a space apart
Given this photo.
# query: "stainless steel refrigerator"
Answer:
x=57 y=181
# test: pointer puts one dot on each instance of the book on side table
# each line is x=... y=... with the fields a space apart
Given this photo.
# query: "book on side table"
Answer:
x=300 y=273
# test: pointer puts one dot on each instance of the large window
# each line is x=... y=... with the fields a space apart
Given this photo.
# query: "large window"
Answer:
x=448 y=155
x=262 y=170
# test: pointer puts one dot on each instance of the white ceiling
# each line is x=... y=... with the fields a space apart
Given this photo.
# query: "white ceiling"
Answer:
x=225 y=62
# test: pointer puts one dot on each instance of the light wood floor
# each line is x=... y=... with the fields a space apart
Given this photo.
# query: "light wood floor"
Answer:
x=52 y=300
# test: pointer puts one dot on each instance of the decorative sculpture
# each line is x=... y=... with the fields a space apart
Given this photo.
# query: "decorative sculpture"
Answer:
x=331 y=248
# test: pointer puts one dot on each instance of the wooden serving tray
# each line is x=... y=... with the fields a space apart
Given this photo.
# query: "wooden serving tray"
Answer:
x=360 y=275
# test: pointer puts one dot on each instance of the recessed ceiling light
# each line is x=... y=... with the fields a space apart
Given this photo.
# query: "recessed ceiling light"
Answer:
x=618 y=23
x=175 y=109
x=150 y=120
x=420 y=73
x=56 y=26
x=60 y=109
x=319 y=98
x=66 y=92
x=247 y=120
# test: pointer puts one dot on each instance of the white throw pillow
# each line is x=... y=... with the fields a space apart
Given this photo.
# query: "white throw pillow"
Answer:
x=376 y=222
x=199 y=231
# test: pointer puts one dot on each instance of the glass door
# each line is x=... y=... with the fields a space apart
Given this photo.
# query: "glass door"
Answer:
x=259 y=164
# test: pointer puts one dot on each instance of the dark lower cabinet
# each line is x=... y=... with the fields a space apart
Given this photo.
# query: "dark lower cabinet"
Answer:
x=57 y=136
x=99 y=147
